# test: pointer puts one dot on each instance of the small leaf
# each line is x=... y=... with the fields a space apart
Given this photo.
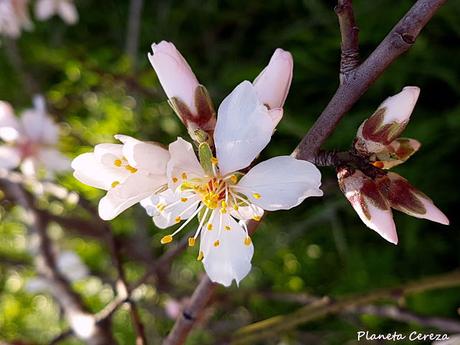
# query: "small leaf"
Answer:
x=206 y=157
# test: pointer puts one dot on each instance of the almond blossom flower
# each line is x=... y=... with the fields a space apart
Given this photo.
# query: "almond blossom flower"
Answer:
x=221 y=195
x=30 y=141
x=374 y=192
x=45 y=9
x=14 y=17
x=129 y=172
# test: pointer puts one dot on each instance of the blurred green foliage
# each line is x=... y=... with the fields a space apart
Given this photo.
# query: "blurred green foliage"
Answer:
x=320 y=247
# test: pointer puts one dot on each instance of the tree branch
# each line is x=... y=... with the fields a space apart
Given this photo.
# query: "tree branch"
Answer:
x=349 y=58
x=398 y=41
x=132 y=35
x=327 y=306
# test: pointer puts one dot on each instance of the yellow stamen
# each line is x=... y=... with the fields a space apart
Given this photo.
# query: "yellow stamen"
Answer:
x=166 y=239
x=234 y=179
x=247 y=241
x=210 y=227
x=223 y=204
x=115 y=183
x=131 y=169
x=161 y=207
x=178 y=219
x=174 y=179
x=257 y=218
x=214 y=161
x=227 y=228
x=183 y=199
x=191 y=242
x=200 y=256
x=223 y=210
x=184 y=176
x=217 y=243
x=117 y=162
x=256 y=196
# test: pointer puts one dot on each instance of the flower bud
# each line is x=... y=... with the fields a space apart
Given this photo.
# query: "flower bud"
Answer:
x=369 y=203
x=406 y=198
x=187 y=97
x=388 y=121
x=273 y=83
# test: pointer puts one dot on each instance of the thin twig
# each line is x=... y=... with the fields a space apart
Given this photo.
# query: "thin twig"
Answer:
x=349 y=58
x=132 y=35
x=327 y=306
x=398 y=41
x=403 y=315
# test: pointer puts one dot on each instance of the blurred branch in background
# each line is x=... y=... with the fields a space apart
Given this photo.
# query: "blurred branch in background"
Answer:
x=355 y=81
x=82 y=322
x=133 y=32
x=327 y=306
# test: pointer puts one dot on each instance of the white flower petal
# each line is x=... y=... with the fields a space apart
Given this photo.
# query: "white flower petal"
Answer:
x=164 y=218
x=70 y=264
x=90 y=170
x=38 y=127
x=247 y=212
x=29 y=166
x=45 y=9
x=136 y=187
x=143 y=155
x=68 y=12
x=231 y=258
x=53 y=160
x=281 y=183
x=400 y=106
x=243 y=129
x=9 y=125
x=183 y=160
x=9 y=157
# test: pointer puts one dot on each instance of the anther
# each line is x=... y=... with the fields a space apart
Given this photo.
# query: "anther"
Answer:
x=227 y=228
x=178 y=219
x=257 y=218
x=200 y=256
x=191 y=241
x=183 y=199
x=247 y=241
x=117 y=162
x=115 y=183
x=378 y=164
x=234 y=179
x=235 y=207
x=184 y=176
x=209 y=227
x=131 y=169
x=174 y=179
x=166 y=239
x=214 y=161
x=256 y=196
x=217 y=243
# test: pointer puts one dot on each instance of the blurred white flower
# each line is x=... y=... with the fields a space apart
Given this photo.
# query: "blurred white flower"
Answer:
x=14 y=17
x=30 y=141
x=45 y=9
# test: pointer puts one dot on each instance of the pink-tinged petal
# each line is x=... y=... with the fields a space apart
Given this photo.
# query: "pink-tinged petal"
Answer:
x=276 y=115
x=247 y=212
x=370 y=205
x=280 y=183
x=53 y=160
x=148 y=156
x=9 y=125
x=45 y=9
x=226 y=249
x=183 y=164
x=135 y=188
x=175 y=75
x=38 y=126
x=406 y=198
x=9 y=157
x=388 y=122
x=244 y=127
x=67 y=11
x=273 y=83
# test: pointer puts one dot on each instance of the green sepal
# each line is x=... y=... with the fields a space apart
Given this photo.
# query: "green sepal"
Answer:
x=205 y=155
